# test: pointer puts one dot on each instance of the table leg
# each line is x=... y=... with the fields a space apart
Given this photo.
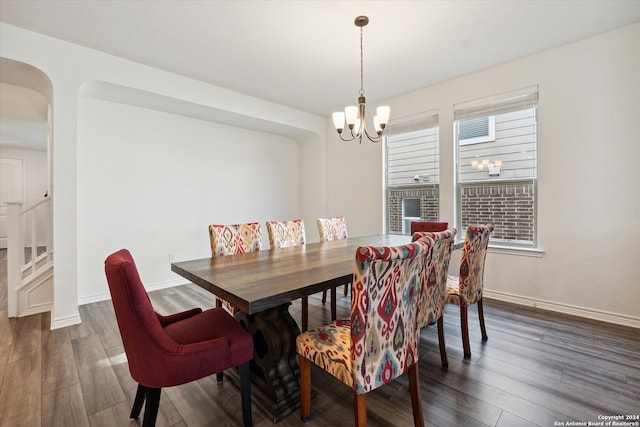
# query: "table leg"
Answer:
x=274 y=369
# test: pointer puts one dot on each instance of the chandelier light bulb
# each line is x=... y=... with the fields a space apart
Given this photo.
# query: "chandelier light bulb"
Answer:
x=338 y=121
x=351 y=114
x=383 y=113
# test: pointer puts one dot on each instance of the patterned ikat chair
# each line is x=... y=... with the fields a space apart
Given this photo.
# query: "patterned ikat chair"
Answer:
x=234 y=239
x=466 y=289
x=433 y=293
x=332 y=229
x=380 y=340
x=286 y=234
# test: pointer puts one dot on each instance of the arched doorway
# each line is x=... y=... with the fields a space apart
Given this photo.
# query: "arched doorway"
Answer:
x=25 y=146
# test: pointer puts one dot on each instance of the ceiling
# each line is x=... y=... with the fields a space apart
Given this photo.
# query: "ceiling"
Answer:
x=305 y=54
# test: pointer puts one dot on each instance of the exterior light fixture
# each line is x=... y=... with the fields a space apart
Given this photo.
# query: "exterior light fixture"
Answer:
x=354 y=115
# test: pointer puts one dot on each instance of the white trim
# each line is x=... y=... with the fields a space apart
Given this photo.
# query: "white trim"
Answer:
x=36 y=309
x=63 y=322
x=588 y=313
x=516 y=250
x=106 y=296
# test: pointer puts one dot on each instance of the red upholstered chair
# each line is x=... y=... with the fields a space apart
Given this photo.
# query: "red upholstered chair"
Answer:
x=332 y=229
x=231 y=239
x=165 y=351
x=429 y=226
x=380 y=341
x=435 y=289
x=466 y=289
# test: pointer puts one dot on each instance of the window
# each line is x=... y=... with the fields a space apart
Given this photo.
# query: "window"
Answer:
x=410 y=212
x=412 y=171
x=497 y=178
x=473 y=131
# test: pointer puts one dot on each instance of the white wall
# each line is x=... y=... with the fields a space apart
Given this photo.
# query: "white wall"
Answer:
x=36 y=170
x=35 y=183
x=152 y=182
x=588 y=148
x=79 y=74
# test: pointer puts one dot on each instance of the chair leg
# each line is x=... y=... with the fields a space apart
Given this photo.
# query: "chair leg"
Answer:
x=416 y=402
x=245 y=381
x=305 y=389
x=305 y=314
x=220 y=377
x=443 y=350
x=360 y=409
x=346 y=289
x=481 y=317
x=334 y=297
x=151 y=407
x=464 y=326
x=138 y=402
x=218 y=302
x=324 y=297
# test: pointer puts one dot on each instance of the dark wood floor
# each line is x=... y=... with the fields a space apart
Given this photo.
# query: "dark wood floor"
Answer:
x=537 y=368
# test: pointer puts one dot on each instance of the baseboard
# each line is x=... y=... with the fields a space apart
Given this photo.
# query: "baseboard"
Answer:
x=37 y=309
x=587 y=313
x=63 y=322
x=105 y=296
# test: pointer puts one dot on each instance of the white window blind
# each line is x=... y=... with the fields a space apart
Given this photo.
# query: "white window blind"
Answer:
x=516 y=100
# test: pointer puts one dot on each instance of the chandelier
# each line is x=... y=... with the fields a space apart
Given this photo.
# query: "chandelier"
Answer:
x=354 y=115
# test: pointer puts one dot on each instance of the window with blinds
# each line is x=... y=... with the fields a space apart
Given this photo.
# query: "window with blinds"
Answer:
x=497 y=177
x=412 y=150
x=412 y=170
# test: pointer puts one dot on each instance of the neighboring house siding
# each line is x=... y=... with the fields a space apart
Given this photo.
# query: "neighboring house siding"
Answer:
x=514 y=146
x=413 y=155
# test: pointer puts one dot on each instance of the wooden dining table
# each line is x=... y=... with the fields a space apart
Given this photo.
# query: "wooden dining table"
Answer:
x=262 y=286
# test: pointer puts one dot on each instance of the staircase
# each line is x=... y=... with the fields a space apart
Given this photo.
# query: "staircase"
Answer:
x=29 y=258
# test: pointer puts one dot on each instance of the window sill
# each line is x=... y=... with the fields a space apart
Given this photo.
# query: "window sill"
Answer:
x=515 y=250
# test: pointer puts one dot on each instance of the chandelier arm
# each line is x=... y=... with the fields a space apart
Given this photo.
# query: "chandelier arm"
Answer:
x=345 y=139
x=376 y=138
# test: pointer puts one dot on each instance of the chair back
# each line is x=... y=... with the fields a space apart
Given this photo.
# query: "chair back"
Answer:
x=387 y=282
x=145 y=342
x=430 y=226
x=435 y=289
x=234 y=239
x=472 y=262
x=332 y=228
x=285 y=234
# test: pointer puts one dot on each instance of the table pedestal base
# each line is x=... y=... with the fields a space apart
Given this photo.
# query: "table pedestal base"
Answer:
x=274 y=369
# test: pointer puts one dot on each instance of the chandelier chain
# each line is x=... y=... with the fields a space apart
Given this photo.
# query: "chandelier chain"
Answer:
x=361 y=65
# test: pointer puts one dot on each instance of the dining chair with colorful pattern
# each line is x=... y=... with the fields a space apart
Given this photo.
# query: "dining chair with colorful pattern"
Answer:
x=435 y=289
x=379 y=342
x=466 y=289
x=286 y=234
x=332 y=229
x=233 y=239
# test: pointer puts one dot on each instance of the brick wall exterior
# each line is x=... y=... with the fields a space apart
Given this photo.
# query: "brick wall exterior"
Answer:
x=510 y=206
x=429 y=204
